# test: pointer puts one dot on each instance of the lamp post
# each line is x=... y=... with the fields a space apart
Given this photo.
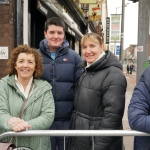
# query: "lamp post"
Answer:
x=115 y=39
x=122 y=32
x=122 y=29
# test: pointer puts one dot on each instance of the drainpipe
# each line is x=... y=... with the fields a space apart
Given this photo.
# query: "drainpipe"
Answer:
x=25 y=22
x=18 y=23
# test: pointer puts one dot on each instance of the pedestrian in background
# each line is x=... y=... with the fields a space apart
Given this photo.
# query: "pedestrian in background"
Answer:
x=139 y=110
x=131 y=68
x=99 y=99
x=61 y=70
x=22 y=87
x=128 y=69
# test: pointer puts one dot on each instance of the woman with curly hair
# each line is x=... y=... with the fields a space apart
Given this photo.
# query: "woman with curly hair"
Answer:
x=26 y=101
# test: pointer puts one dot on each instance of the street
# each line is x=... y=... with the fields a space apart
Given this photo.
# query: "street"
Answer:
x=131 y=82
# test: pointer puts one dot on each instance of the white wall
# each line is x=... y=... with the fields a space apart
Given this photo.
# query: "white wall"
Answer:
x=77 y=46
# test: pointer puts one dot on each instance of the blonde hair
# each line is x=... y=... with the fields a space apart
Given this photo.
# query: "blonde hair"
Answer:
x=93 y=37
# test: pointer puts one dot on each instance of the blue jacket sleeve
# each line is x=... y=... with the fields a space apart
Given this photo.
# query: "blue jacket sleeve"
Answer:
x=139 y=109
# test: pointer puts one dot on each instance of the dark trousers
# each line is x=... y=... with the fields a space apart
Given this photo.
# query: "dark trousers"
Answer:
x=57 y=143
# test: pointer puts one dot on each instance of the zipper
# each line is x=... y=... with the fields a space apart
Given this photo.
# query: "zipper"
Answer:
x=85 y=73
x=53 y=75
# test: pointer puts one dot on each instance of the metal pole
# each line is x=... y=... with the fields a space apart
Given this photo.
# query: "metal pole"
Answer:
x=25 y=22
x=143 y=36
x=122 y=32
x=74 y=133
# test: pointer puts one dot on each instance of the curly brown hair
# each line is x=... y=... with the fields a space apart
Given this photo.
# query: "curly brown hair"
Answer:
x=28 y=50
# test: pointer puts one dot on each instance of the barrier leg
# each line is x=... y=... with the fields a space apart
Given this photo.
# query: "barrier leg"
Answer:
x=64 y=143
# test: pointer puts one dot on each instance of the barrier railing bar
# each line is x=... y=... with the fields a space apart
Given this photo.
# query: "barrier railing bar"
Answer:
x=75 y=133
x=64 y=143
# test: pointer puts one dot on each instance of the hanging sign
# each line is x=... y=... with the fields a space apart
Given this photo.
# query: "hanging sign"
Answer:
x=107 y=29
x=95 y=12
x=118 y=50
x=139 y=48
x=87 y=1
x=3 y=52
x=4 y=1
x=115 y=28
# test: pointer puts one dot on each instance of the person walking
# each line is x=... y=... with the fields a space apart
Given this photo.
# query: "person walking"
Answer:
x=61 y=70
x=128 y=69
x=26 y=102
x=131 y=68
x=99 y=99
x=139 y=110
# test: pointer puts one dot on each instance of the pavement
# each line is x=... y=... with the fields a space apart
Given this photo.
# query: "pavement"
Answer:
x=131 y=82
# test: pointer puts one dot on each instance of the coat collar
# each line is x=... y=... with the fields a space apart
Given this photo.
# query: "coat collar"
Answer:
x=40 y=87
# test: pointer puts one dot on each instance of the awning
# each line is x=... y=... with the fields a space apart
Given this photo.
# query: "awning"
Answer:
x=49 y=10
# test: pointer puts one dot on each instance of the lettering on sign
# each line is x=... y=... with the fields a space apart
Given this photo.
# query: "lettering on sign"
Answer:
x=4 y=1
x=71 y=32
x=3 y=52
x=139 y=48
x=98 y=17
x=107 y=29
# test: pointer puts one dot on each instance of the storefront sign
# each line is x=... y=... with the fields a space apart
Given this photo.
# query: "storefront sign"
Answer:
x=107 y=29
x=112 y=48
x=71 y=32
x=87 y=1
x=139 y=48
x=42 y=8
x=117 y=50
x=115 y=28
x=4 y=1
x=85 y=6
x=95 y=12
x=3 y=52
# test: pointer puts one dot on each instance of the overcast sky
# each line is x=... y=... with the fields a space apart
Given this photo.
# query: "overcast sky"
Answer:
x=130 y=22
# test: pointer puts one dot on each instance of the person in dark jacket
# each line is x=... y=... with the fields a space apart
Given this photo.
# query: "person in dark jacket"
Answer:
x=131 y=68
x=139 y=111
x=101 y=88
x=61 y=70
x=128 y=69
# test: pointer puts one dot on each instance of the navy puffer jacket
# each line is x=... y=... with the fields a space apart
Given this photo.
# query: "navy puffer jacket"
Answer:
x=62 y=74
x=139 y=111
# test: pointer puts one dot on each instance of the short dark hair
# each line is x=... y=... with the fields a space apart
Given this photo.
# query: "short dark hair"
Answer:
x=54 y=21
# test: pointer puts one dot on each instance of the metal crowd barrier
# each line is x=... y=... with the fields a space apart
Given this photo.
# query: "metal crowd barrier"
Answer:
x=67 y=133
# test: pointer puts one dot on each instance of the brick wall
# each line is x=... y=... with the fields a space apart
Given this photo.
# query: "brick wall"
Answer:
x=6 y=31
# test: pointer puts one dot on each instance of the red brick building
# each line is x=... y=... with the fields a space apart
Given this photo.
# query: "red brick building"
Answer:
x=6 y=31
x=22 y=22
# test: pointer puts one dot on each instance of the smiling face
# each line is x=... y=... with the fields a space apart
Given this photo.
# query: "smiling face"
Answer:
x=25 y=66
x=91 y=50
x=54 y=35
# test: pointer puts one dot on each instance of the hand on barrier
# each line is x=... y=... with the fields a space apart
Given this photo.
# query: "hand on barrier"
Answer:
x=18 y=124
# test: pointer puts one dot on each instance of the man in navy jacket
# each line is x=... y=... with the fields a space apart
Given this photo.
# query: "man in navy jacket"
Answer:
x=61 y=70
x=139 y=111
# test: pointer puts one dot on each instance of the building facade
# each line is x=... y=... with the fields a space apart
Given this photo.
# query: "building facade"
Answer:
x=7 y=28
x=22 y=22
